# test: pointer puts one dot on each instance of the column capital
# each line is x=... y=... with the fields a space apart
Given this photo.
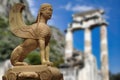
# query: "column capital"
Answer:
x=105 y=24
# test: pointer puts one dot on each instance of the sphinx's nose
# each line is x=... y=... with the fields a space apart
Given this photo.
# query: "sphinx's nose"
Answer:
x=49 y=12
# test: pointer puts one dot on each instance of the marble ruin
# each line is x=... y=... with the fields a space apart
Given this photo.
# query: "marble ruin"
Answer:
x=87 y=21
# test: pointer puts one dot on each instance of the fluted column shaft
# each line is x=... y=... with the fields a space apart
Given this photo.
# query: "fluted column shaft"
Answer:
x=69 y=44
x=104 y=53
x=87 y=38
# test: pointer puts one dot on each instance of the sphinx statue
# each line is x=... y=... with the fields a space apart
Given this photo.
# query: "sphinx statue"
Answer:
x=36 y=35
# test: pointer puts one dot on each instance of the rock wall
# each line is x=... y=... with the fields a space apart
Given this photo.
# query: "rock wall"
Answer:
x=5 y=6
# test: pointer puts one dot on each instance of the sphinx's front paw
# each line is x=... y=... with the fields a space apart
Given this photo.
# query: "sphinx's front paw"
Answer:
x=21 y=64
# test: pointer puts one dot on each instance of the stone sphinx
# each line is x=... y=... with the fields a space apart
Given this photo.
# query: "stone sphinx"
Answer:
x=36 y=35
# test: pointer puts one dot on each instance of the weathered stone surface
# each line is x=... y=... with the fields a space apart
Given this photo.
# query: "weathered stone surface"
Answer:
x=34 y=72
x=89 y=71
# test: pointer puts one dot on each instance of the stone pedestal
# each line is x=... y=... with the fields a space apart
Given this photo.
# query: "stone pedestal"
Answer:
x=33 y=72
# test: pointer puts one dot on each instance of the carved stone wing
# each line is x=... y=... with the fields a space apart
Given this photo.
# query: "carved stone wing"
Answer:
x=17 y=26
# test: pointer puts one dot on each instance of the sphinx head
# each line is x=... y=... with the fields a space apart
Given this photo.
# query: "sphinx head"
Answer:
x=45 y=11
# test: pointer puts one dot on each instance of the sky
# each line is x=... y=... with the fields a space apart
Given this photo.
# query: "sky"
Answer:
x=62 y=16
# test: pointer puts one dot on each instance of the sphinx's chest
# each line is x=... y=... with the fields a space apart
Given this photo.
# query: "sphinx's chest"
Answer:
x=43 y=30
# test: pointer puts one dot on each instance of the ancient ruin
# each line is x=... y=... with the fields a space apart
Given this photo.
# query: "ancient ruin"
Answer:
x=87 y=21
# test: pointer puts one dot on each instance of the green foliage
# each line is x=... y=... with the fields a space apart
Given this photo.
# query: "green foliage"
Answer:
x=115 y=76
x=53 y=42
x=7 y=40
x=33 y=58
x=3 y=23
x=56 y=57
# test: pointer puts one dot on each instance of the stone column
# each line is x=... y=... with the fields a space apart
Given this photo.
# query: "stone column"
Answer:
x=104 y=53
x=69 y=44
x=87 y=38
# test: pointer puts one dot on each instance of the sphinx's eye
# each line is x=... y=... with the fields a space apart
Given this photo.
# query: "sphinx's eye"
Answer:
x=44 y=8
x=50 y=9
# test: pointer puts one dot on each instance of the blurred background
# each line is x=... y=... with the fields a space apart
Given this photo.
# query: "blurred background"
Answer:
x=62 y=16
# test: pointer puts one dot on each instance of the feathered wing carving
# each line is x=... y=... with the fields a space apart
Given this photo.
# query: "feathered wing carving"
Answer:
x=17 y=26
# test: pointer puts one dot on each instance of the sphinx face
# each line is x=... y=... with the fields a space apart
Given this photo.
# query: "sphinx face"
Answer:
x=47 y=12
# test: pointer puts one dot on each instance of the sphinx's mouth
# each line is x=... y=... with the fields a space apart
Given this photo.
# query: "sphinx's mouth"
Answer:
x=49 y=16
